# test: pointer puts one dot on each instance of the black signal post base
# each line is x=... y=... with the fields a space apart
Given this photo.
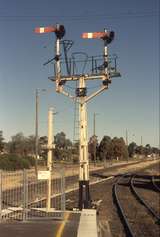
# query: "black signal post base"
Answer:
x=84 y=195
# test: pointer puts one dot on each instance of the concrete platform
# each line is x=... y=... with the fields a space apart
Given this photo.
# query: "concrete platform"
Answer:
x=88 y=223
x=74 y=224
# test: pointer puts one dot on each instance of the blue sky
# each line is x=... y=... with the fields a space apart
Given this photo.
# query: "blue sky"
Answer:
x=132 y=101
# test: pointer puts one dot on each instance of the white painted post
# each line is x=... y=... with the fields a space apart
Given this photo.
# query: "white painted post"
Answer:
x=49 y=159
x=84 y=163
x=84 y=167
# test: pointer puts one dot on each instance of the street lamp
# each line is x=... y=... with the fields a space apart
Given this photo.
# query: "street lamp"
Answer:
x=36 y=127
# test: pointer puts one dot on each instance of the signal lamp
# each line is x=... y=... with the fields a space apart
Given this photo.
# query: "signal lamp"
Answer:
x=60 y=31
x=109 y=36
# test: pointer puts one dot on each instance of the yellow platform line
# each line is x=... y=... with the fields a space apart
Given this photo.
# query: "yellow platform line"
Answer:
x=61 y=228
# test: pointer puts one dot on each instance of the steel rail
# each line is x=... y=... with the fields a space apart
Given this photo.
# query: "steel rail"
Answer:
x=142 y=201
x=129 y=232
x=157 y=188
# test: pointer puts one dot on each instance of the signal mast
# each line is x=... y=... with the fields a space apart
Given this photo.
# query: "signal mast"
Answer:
x=103 y=73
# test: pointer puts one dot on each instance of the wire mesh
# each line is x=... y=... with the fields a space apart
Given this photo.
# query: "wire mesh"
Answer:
x=12 y=195
x=24 y=197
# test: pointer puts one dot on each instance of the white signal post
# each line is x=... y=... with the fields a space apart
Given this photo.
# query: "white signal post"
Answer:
x=58 y=67
x=81 y=93
x=105 y=55
x=84 y=195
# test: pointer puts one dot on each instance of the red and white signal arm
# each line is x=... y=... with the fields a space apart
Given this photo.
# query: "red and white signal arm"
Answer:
x=94 y=35
x=48 y=29
x=108 y=36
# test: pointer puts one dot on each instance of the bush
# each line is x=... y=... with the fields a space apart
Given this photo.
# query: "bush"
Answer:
x=31 y=160
x=14 y=162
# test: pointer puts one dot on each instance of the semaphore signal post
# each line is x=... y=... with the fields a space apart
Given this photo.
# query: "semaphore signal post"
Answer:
x=103 y=72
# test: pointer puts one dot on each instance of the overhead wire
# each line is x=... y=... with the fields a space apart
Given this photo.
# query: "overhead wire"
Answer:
x=83 y=17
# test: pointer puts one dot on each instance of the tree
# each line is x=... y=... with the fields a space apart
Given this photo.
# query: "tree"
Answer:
x=62 y=147
x=93 y=147
x=61 y=141
x=132 y=149
x=139 y=150
x=16 y=145
x=155 y=150
x=21 y=145
x=1 y=141
x=14 y=162
x=147 y=150
x=104 y=148
x=119 y=148
x=75 y=151
x=43 y=142
x=29 y=143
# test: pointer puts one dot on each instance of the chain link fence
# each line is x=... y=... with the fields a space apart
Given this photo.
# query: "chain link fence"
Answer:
x=23 y=197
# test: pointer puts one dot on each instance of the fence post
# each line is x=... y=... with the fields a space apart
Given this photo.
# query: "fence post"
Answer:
x=0 y=196
x=63 y=201
x=25 y=195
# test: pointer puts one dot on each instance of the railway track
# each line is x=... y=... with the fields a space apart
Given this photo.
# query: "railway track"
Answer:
x=132 y=208
x=149 y=208
x=121 y=212
x=155 y=184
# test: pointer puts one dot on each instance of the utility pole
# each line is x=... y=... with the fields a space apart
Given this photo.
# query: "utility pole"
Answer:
x=126 y=137
x=94 y=123
x=127 y=141
x=141 y=141
x=94 y=136
x=36 y=132
x=36 y=128
x=102 y=73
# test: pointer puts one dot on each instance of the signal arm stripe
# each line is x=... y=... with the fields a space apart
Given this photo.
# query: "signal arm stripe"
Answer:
x=93 y=35
x=41 y=30
x=90 y=35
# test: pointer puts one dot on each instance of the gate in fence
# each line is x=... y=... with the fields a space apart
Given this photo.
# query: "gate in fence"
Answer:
x=23 y=197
